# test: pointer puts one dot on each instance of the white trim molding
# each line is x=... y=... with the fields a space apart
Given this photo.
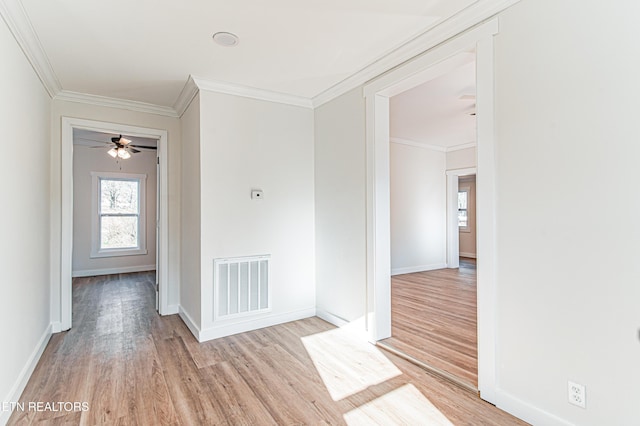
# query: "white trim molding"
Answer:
x=442 y=58
x=189 y=322
x=469 y=255
x=419 y=268
x=250 y=324
x=527 y=412
x=15 y=16
x=478 y=12
x=249 y=92
x=65 y=240
x=461 y=146
x=331 y=318
x=25 y=374
x=416 y=144
x=186 y=96
x=105 y=101
x=110 y=271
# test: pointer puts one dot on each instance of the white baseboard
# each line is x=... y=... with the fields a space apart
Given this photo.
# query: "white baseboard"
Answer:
x=526 y=411
x=56 y=327
x=413 y=269
x=330 y=318
x=109 y=271
x=189 y=322
x=171 y=310
x=469 y=255
x=25 y=374
x=254 y=324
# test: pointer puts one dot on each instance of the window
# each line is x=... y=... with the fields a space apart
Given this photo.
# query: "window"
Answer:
x=118 y=208
x=463 y=214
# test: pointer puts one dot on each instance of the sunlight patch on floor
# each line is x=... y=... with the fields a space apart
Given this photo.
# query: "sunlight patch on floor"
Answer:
x=347 y=363
x=402 y=406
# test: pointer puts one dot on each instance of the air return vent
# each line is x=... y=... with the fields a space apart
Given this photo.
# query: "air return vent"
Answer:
x=241 y=286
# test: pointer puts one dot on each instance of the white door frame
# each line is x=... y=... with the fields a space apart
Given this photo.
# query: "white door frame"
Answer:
x=429 y=65
x=66 y=240
x=453 y=233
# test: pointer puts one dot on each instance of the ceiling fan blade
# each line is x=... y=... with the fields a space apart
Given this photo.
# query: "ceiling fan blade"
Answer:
x=143 y=147
x=135 y=151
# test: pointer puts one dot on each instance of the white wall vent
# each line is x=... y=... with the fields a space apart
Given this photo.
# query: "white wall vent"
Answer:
x=241 y=286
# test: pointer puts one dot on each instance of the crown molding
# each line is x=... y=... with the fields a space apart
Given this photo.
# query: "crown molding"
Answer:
x=17 y=21
x=462 y=146
x=472 y=15
x=104 y=101
x=418 y=144
x=249 y=92
x=186 y=96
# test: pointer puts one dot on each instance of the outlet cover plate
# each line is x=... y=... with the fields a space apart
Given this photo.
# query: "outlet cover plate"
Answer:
x=577 y=394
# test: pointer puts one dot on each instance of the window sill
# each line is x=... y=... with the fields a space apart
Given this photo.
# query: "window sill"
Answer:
x=118 y=252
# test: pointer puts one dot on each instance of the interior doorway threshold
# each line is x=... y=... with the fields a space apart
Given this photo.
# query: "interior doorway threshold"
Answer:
x=431 y=369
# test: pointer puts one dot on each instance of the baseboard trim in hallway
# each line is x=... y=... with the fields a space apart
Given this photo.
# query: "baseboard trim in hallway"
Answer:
x=431 y=369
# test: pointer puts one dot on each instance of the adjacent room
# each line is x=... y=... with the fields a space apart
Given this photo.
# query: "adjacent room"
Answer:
x=433 y=298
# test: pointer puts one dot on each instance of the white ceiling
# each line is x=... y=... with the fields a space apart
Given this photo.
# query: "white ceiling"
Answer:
x=433 y=114
x=145 y=50
x=98 y=139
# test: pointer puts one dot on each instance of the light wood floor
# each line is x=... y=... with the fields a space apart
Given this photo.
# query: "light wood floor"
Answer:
x=135 y=367
x=434 y=319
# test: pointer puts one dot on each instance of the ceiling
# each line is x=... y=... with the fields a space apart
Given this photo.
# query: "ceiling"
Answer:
x=145 y=50
x=99 y=139
x=433 y=114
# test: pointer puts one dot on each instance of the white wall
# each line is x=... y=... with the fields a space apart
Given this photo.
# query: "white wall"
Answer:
x=85 y=161
x=567 y=149
x=250 y=144
x=190 y=282
x=340 y=215
x=567 y=270
x=461 y=159
x=24 y=218
x=467 y=239
x=126 y=117
x=418 y=209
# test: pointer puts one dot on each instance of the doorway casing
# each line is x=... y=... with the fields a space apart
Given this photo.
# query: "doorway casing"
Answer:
x=432 y=63
x=453 y=236
x=66 y=238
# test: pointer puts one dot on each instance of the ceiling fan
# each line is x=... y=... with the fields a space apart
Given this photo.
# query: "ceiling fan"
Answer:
x=124 y=148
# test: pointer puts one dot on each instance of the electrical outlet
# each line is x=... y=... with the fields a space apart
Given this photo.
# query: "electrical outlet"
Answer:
x=577 y=394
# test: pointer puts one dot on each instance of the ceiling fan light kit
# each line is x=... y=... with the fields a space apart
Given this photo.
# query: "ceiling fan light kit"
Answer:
x=124 y=148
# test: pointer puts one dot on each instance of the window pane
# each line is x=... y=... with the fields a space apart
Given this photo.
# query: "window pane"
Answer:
x=118 y=196
x=462 y=200
x=118 y=232
x=462 y=218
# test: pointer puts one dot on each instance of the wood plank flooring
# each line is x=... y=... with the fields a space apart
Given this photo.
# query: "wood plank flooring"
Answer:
x=134 y=367
x=434 y=319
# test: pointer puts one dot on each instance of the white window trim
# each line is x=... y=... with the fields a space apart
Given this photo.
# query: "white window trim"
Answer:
x=467 y=189
x=95 y=222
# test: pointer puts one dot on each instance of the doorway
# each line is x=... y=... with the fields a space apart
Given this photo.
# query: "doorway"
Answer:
x=69 y=125
x=432 y=130
x=434 y=62
x=115 y=204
